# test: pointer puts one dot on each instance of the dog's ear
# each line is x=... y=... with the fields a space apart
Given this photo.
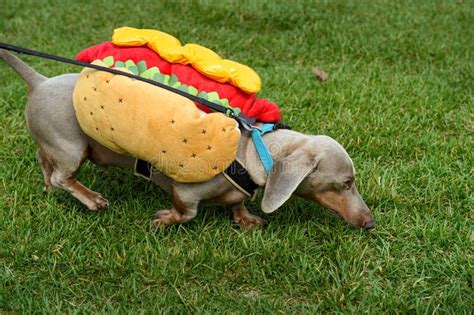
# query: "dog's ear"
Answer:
x=284 y=177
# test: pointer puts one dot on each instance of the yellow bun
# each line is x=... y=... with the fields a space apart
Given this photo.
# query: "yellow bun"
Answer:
x=144 y=121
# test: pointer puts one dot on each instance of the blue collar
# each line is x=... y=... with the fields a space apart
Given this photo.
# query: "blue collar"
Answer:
x=262 y=150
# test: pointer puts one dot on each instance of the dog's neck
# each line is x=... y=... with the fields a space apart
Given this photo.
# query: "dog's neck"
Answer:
x=280 y=143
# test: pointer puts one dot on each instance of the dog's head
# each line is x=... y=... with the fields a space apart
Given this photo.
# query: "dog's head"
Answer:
x=318 y=169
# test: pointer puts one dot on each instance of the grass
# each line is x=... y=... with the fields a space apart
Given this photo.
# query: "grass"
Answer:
x=399 y=99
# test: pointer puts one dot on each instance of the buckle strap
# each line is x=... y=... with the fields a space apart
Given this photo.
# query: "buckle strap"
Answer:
x=260 y=146
x=236 y=174
x=143 y=169
x=240 y=178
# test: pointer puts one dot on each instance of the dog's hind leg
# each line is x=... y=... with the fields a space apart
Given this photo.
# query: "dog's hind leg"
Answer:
x=60 y=161
x=59 y=166
x=47 y=169
x=66 y=180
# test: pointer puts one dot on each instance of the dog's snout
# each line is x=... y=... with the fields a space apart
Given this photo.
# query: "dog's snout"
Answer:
x=369 y=224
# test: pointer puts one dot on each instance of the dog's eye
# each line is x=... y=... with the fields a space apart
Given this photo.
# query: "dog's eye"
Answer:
x=347 y=184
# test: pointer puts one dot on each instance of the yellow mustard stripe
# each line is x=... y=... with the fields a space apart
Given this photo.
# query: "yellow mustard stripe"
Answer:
x=200 y=58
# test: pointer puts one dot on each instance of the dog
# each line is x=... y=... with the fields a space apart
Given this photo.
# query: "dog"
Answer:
x=313 y=167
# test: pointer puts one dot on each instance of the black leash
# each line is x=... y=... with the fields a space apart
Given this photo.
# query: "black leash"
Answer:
x=243 y=120
x=235 y=173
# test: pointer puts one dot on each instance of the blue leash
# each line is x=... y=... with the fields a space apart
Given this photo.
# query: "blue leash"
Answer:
x=262 y=150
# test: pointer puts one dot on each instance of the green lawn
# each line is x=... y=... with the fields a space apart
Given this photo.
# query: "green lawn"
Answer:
x=399 y=99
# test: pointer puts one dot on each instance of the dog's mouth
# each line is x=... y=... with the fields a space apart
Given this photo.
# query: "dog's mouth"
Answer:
x=368 y=224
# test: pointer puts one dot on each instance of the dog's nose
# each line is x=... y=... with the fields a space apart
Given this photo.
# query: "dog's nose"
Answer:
x=369 y=224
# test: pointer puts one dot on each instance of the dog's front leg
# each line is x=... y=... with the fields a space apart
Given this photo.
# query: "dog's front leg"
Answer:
x=183 y=210
x=245 y=219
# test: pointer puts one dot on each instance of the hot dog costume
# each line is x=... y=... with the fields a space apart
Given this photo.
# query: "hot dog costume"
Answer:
x=150 y=123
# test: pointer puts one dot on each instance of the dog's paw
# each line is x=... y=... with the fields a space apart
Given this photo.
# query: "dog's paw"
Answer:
x=250 y=221
x=162 y=217
x=49 y=189
x=98 y=202
x=101 y=202
x=166 y=217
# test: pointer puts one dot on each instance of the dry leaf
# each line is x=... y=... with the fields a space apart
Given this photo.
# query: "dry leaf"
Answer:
x=320 y=74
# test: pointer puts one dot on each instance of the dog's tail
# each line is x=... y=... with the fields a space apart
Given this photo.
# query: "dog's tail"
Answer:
x=30 y=76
